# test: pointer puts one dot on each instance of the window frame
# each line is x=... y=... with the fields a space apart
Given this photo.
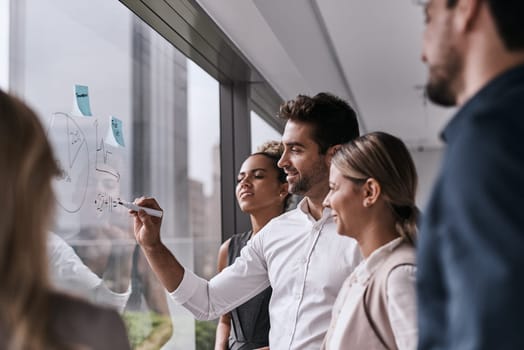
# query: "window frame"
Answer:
x=186 y=26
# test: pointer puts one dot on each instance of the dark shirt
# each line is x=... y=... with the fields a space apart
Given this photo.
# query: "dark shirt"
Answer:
x=470 y=276
x=249 y=321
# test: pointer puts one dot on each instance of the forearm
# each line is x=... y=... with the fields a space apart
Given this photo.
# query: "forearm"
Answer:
x=222 y=334
x=165 y=266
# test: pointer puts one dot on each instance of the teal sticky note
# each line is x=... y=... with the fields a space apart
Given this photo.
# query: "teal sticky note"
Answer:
x=82 y=99
x=118 y=133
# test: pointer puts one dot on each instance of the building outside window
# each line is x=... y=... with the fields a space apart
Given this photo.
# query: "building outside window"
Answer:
x=128 y=115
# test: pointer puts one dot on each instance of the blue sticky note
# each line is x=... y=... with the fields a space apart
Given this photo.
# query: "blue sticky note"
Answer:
x=82 y=99
x=118 y=133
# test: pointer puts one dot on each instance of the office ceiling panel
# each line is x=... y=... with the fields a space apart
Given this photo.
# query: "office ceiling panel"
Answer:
x=366 y=51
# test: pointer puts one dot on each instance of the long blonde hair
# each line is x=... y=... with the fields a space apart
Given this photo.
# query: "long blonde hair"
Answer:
x=26 y=169
x=386 y=159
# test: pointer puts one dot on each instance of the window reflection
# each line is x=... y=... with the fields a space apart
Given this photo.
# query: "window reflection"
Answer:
x=166 y=146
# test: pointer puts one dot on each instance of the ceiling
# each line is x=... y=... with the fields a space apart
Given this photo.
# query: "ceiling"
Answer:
x=366 y=51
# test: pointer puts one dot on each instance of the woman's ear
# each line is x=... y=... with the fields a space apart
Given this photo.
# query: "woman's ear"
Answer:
x=284 y=189
x=371 y=191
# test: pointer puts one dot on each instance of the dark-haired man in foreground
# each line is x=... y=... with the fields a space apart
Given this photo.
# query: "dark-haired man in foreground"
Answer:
x=298 y=253
x=470 y=261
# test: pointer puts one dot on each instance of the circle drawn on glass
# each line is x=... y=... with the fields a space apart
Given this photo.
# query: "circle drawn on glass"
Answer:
x=72 y=155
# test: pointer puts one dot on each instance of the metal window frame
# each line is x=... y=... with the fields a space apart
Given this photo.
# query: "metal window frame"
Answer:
x=187 y=27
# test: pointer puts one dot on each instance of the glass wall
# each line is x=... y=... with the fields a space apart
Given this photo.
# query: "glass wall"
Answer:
x=128 y=115
x=261 y=132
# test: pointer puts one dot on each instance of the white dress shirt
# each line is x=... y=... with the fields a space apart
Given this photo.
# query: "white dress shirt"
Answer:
x=305 y=262
x=401 y=297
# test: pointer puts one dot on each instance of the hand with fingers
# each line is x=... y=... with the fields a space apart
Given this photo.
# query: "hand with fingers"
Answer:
x=146 y=227
x=147 y=233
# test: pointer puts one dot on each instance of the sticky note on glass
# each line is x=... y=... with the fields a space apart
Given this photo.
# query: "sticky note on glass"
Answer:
x=82 y=100
x=118 y=133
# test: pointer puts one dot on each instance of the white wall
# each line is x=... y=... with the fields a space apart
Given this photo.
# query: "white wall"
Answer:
x=427 y=162
x=4 y=44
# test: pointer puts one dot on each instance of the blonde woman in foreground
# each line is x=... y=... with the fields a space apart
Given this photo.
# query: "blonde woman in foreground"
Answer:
x=372 y=196
x=32 y=315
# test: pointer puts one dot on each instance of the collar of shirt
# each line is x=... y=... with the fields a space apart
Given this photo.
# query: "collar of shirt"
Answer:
x=490 y=92
x=303 y=208
x=368 y=266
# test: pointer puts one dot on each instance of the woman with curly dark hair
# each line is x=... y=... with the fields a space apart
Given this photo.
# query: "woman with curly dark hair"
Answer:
x=262 y=193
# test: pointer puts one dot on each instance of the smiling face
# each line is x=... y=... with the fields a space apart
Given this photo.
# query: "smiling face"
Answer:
x=258 y=186
x=346 y=198
x=441 y=55
x=306 y=169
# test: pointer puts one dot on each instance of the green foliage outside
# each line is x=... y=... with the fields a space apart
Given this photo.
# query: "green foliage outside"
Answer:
x=147 y=330
x=150 y=331
x=205 y=334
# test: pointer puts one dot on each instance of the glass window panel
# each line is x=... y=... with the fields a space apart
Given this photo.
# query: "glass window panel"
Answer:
x=261 y=132
x=128 y=115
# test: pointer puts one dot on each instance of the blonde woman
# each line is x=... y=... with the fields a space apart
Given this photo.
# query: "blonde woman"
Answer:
x=32 y=316
x=372 y=196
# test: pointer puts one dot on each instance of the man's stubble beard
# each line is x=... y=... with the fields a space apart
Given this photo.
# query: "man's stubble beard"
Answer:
x=444 y=77
x=319 y=172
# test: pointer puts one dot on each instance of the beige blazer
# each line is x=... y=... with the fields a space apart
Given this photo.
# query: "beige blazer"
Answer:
x=369 y=327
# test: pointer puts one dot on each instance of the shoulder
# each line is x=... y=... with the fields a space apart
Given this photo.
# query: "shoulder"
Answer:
x=223 y=255
x=224 y=247
x=403 y=255
x=79 y=321
x=285 y=225
x=485 y=159
x=492 y=128
x=400 y=261
x=402 y=275
x=288 y=219
x=400 y=269
x=290 y=215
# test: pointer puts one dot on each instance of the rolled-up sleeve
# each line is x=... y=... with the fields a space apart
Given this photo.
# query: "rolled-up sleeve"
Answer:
x=232 y=287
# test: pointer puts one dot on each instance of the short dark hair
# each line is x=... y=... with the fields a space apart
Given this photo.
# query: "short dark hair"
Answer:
x=334 y=121
x=509 y=20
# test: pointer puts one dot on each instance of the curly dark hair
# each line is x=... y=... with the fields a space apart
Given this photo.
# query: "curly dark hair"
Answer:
x=273 y=150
